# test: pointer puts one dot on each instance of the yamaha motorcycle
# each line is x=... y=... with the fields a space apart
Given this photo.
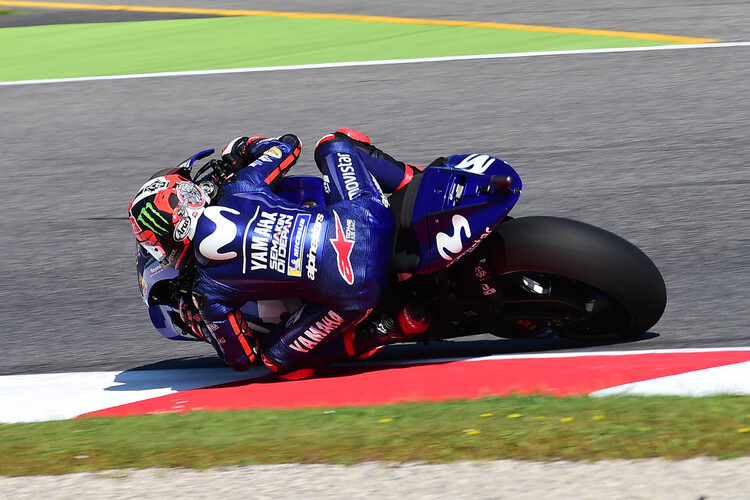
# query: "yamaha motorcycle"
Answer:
x=459 y=252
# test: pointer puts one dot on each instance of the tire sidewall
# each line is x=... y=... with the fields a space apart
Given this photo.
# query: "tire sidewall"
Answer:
x=585 y=253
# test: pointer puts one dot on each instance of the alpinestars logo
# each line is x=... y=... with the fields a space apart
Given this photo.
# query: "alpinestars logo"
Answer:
x=343 y=247
x=152 y=219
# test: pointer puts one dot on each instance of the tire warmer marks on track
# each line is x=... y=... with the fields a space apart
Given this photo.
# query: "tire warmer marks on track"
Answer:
x=609 y=373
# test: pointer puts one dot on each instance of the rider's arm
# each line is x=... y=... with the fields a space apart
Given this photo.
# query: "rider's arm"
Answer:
x=231 y=335
x=268 y=159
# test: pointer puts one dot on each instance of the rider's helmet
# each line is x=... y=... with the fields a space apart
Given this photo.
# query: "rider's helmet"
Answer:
x=163 y=216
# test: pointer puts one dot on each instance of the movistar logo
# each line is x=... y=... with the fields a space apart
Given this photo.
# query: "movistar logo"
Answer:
x=453 y=243
x=152 y=219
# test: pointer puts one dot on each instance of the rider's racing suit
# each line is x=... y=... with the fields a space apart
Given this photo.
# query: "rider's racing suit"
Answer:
x=253 y=245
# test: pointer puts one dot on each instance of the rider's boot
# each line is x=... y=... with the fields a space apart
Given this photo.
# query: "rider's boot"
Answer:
x=298 y=374
x=409 y=323
x=390 y=173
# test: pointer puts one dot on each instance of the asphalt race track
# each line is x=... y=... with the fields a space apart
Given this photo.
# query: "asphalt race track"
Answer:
x=653 y=146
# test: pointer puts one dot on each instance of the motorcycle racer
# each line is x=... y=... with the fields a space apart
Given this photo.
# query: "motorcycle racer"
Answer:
x=245 y=243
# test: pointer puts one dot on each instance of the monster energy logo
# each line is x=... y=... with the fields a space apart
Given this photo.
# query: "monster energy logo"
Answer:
x=152 y=219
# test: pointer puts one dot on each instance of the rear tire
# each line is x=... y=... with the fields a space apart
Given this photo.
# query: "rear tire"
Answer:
x=574 y=280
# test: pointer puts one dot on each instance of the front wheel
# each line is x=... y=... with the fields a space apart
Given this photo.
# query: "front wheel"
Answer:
x=564 y=277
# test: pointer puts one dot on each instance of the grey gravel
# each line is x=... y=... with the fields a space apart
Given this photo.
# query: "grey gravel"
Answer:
x=700 y=478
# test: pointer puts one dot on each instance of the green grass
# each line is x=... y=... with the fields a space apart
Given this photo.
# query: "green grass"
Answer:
x=519 y=427
x=76 y=50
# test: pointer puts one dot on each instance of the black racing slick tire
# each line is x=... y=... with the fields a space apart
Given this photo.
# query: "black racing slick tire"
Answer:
x=564 y=277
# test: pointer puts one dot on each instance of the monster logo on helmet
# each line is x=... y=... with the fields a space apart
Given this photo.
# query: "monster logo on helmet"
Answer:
x=152 y=219
x=163 y=216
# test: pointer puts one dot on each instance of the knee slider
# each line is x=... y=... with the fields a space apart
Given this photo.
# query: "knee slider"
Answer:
x=332 y=144
x=354 y=134
x=345 y=134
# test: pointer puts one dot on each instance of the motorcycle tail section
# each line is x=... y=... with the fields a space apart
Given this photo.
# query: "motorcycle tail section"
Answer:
x=448 y=209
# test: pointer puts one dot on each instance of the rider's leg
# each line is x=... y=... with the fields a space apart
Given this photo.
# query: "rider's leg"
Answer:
x=390 y=173
x=365 y=225
x=347 y=160
x=312 y=337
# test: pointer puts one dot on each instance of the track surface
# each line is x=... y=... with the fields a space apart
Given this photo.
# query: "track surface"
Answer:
x=650 y=145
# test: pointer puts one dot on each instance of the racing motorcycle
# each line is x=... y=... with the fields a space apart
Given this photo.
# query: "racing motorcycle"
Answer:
x=458 y=251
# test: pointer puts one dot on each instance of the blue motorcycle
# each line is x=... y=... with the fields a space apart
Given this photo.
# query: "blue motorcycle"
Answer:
x=480 y=270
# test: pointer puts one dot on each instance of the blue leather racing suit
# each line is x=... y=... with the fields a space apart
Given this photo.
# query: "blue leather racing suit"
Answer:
x=251 y=245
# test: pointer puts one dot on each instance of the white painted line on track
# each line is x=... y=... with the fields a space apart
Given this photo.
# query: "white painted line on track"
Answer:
x=383 y=62
x=616 y=353
x=547 y=355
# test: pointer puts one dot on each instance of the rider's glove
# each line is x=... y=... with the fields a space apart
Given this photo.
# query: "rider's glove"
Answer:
x=191 y=317
x=284 y=150
x=240 y=152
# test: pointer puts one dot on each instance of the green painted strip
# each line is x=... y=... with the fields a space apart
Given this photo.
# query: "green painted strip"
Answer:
x=657 y=37
x=64 y=51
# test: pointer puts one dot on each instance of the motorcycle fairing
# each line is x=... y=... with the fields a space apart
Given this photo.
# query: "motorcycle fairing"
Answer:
x=459 y=204
x=153 y=281
x=188 y=164
x=150 y=273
